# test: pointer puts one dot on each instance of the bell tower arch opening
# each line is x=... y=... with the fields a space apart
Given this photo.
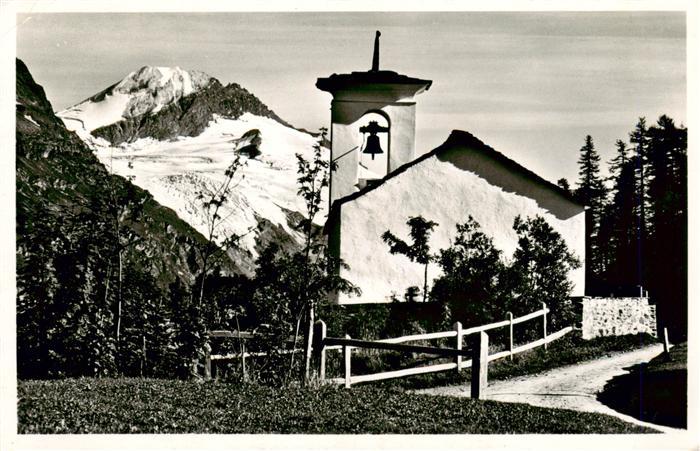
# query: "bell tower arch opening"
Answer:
x=375 y=130
x=359 y=99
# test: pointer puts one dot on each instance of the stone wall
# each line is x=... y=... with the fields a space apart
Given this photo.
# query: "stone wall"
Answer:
x=602 y=317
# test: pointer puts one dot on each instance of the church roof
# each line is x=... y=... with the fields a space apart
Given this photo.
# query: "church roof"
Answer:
x=456 y=138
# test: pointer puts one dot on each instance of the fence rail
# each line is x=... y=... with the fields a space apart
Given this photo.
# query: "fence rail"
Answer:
x=478 y=351
x=353 y=343
x=474 y=356
x=211 y=361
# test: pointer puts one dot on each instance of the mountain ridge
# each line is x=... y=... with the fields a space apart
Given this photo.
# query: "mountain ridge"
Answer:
x=181 y=108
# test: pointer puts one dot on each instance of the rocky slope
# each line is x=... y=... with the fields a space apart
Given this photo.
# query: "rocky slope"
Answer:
x=63 y=187
x=182 y=144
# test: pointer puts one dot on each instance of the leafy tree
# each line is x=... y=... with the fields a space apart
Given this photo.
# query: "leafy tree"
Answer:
x=81 y=335
x=289 y=286
x=470 y=285
x=190 y=337
x=147 y=342
x=211 y=202
x=313 y=177
x=539 y=271
x=37 y=284
x=419 y=250
x=124 y=208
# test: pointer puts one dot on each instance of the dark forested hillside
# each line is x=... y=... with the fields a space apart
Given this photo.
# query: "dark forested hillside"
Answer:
x=96 y=255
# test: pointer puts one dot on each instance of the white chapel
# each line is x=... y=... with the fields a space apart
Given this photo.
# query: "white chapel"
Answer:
x=378 y=183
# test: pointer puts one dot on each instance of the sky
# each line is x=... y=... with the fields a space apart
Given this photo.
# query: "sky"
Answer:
x=531 y=85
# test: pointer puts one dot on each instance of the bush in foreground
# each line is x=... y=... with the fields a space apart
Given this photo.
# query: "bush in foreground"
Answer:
x=170 y=406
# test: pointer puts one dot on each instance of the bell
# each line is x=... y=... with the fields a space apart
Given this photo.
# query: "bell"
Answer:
x=373 y=148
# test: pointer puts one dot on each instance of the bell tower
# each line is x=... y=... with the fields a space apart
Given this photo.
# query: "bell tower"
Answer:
x=373 y=124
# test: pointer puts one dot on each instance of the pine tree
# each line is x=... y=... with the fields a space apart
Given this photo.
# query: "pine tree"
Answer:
x=564 y=184
x=666 y=265
x=591 y=192
x=647 y=219
x=621 y=221
x=639 y=138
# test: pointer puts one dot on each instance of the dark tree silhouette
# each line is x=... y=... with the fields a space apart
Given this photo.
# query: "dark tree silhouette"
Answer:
x=642 y=237
x=419 y=250
x=591 y=192
x=471 y=284
x=564 y=184
x=666 y=244
x=540 y=271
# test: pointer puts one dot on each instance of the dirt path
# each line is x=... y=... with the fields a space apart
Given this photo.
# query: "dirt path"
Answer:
x=571 y=387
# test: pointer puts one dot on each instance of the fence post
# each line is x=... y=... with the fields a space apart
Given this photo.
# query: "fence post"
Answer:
x=207 y=362
x=666 y=344
x=320 y=348
x=480 y=363
x=347 y=355
x=458 y=359
x=243 y=369
x=544 y=324
x=510 y=327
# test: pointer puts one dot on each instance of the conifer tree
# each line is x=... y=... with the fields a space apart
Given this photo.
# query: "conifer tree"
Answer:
x=667 y=228
x=621 y=221
x=564 y=184
x=639 y=139
x=591 y=192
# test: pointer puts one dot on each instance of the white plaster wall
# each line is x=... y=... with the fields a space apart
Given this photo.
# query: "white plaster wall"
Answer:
x=602 y=317
x=443 y=192
x=346 y=120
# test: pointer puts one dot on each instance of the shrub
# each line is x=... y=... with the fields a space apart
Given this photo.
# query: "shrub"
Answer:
x=472 y=269
x=539 y=272
x=477 y=287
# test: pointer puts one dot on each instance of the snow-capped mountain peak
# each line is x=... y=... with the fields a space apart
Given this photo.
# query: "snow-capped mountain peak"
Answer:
x=159 y=86
x=144 y=91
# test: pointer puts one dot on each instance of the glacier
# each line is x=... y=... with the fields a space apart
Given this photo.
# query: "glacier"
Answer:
x=174 y=171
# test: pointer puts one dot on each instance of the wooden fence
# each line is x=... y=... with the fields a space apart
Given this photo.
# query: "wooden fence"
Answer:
x=212 y=361
x=478 y=349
